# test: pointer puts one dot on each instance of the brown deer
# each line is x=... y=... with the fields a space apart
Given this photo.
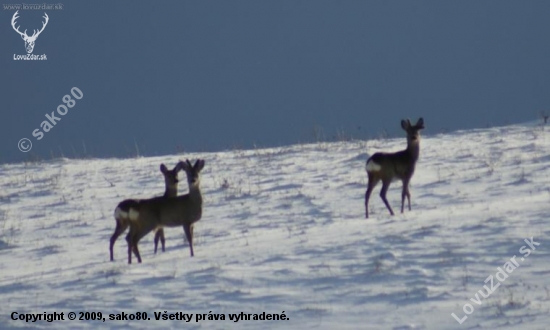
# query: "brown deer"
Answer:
x=398 y=165
x=159 y=212
x=122 y=209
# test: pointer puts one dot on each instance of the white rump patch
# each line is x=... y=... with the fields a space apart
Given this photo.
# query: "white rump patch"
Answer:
x=119 y=214
x=373 y=167
x=133 y=214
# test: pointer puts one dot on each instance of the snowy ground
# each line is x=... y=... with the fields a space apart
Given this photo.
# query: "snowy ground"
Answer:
x=283 y=229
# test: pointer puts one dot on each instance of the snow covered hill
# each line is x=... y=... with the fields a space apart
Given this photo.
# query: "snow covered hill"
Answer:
x=283 y=232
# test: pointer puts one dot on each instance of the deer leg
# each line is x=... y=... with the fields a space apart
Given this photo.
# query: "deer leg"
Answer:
x=129 y=240
x=143 y=230
x=159 y=235
x=188 y=229
x=132 y=248
x=402 y=199
x=120 y=228
x=372 y=183
x=383 y=191
x=157 y=238
x=162 y=240
x=409 y=197
x=405 y=193
x=136 y=252
x=133 y=238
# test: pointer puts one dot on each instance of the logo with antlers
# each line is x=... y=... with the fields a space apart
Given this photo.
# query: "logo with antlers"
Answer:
x=29 y=40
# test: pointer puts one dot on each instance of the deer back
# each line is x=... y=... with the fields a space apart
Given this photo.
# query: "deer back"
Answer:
x=166 y=212
x=399 y=165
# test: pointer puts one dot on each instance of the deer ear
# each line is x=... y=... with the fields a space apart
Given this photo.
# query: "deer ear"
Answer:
x=420 y=123
x=183 y=165
x=199 y=164
x=163 y=168
x=405 y=124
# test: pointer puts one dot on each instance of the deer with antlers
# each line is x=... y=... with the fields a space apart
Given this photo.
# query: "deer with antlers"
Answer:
x=400 y=165
x=29 y=40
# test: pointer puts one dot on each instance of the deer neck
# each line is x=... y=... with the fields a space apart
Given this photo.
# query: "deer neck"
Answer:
x=413 y=149
x=195 y=194
x=171 y=191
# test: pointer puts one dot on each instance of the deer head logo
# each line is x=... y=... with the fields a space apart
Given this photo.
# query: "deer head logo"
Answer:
x=29 y=40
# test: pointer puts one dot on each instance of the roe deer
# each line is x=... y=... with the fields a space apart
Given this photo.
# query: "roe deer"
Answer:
x=159 y=212
x=121 y=211
x=398 y=165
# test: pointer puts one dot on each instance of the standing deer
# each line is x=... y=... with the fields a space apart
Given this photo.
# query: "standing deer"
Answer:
x=159 y=212
x=398 y=165
x=122 y=215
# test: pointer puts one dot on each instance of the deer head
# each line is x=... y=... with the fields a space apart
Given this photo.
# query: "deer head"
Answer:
x=29 y=40
x=413 y=131
x=192 y=171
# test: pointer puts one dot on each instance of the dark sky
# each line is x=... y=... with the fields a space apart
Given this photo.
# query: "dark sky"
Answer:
x=207 y=75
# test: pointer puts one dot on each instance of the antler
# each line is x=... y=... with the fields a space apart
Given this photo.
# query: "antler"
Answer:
x=15 y=17
x=24 y=34
x=36 y=34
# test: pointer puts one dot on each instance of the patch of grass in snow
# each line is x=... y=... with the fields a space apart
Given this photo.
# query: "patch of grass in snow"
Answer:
x=7 y=231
